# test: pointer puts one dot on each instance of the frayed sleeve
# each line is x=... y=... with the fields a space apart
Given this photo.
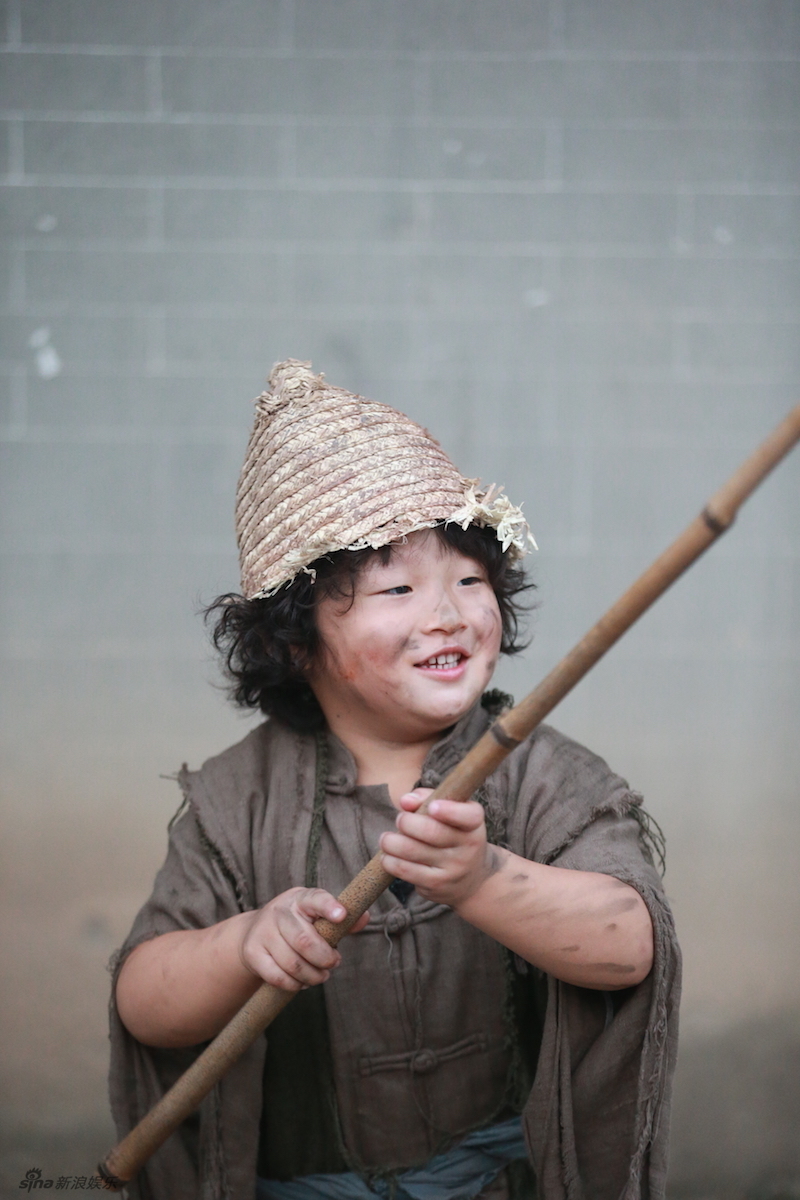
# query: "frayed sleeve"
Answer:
x=597 y=1118
x=193 y=889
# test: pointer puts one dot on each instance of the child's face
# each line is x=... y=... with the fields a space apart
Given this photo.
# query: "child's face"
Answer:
x=378 y=661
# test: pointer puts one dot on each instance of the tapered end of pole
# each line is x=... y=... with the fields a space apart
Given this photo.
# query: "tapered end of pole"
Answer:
x=111 y=1182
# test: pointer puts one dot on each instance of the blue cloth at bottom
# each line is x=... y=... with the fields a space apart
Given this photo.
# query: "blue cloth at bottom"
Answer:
x=459 y=1174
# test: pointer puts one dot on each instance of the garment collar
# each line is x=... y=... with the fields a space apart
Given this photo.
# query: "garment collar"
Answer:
x=441 y=758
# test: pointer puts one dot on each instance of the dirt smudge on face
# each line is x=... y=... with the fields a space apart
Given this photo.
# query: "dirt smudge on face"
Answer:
x=404 y=644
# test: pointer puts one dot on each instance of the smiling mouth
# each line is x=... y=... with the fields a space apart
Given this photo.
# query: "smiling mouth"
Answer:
x=442 y=662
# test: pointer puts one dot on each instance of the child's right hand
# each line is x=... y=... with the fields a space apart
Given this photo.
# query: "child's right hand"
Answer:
x=182 y=987
x=281 y=946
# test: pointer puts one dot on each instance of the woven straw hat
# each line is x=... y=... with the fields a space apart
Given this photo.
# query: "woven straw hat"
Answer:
x=327 y=470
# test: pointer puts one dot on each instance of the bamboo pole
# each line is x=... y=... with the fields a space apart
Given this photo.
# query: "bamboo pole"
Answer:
x=127 y=1158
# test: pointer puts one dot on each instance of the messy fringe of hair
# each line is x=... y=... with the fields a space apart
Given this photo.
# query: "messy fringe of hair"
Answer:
x=267 y=645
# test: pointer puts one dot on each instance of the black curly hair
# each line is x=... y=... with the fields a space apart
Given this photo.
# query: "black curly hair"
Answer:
x=267 y=645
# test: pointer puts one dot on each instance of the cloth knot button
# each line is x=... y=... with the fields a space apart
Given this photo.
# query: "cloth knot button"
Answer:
x=424 y=1061
x=397 y=921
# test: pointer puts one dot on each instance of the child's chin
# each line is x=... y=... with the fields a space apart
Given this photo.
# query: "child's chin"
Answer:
x=449 y=709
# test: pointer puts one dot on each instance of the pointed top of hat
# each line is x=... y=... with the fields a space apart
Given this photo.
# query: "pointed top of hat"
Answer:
x=289 y=381
x=326 y=470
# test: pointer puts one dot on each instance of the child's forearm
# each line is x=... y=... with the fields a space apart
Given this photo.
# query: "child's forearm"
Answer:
x=181 y=988
x=583 y=927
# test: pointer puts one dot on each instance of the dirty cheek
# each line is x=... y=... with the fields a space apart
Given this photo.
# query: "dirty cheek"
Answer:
x=491 y=633
x=490 y=624
x=388 y=651
x=404 y=644
x=376 y=656
x=342 y=664
x=381 y=654
x=366 y=666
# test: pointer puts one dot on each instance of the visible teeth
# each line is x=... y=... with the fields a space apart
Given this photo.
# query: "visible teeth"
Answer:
x=443 y=660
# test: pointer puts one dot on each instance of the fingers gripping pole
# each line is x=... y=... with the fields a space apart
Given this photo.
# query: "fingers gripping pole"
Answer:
x=127 y=1158
x=129 y=1155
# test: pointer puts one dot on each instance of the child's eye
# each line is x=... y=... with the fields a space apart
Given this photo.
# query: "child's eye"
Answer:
x=469 y=579
x=400 y=590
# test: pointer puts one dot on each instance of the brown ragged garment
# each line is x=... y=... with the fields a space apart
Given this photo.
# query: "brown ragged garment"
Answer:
x=416 y=1023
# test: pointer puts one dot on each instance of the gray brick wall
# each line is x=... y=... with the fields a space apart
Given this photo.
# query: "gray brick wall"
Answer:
x=565 y=236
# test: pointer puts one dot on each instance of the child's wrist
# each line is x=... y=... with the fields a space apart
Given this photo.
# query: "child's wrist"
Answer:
x=242 y=924
x=472 y=898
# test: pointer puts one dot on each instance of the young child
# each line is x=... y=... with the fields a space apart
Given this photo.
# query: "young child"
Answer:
x=504 y=1018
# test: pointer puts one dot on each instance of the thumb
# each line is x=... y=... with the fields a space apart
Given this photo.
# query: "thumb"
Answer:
x=413 y=800
x=319 y=903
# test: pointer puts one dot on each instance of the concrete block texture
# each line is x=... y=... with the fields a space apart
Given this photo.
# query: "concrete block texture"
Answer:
x=241 y=24
x=675 y=156
x=43 y=215
x=327 y=89
x=559 y=221
x=131 y=149
x=110 y=343
x=455 y=152
x=707 y=27
x=319 y=217
x=562 y=234
x=443 y=26
x=160 y=277
x=81 y=82
x=728 y=223
x=552 y=90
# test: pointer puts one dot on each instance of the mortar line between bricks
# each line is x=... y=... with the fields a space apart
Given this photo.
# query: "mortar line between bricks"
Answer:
x=153 y=85
x=435 y=124
x=155 y=242
x=18 y=427
x=183 y=372
x=16 y=151
x=384 y=185
x=154 y=215
x=589 y=315
x=578 y=57
x=17 y=290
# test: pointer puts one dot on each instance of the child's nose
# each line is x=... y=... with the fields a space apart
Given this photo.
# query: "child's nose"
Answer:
x=447 y=617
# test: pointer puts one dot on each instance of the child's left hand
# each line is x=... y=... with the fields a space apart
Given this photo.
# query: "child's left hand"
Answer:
x=443 y=852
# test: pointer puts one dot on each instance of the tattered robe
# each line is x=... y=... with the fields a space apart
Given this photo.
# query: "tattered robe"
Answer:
x=418 y=1045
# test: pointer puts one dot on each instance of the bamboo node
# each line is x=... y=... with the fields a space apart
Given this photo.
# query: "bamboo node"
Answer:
x=716 y=523
x=505 y=739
